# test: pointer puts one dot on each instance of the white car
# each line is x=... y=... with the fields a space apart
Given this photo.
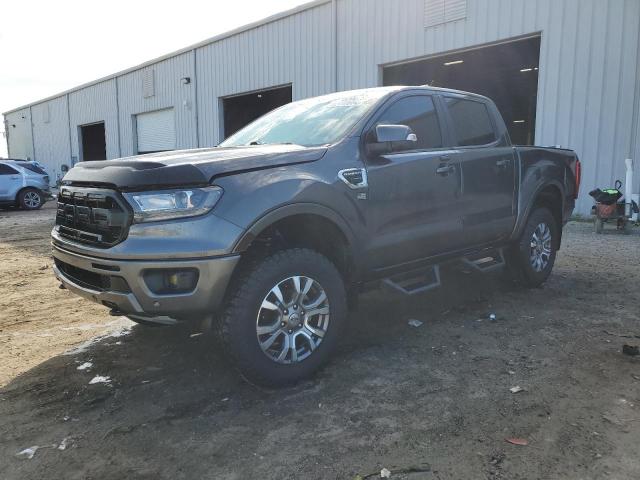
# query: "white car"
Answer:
x=23 y=184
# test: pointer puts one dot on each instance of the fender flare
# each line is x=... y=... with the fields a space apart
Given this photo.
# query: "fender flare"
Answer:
x=524 y=215
x=285 y=211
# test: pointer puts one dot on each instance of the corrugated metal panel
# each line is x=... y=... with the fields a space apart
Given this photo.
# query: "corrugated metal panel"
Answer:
x=589 y=71
x=296 y=50
x=156 y=131
x=19 y=141
x=96 y=103
x=216 y=38
x=169 y=92
x=52 y=138
x=587 y=75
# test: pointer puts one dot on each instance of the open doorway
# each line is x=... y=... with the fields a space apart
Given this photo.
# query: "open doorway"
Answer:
x=240 y=110
x=92 y=142
x=507 y=73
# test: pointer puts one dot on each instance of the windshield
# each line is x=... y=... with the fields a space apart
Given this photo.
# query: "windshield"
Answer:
x=33 y=168
x=314 y=121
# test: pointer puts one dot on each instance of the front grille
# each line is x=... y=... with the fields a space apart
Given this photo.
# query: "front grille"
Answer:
x=92 y=280
x=91 y=215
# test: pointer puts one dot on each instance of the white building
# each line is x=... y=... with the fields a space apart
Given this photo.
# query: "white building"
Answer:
x=563 y=72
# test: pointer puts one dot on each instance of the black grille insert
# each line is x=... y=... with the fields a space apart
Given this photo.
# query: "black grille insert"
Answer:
x=91 y=215
x=92 y=280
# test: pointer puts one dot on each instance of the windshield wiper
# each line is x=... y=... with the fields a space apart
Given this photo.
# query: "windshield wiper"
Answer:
x=258 y=142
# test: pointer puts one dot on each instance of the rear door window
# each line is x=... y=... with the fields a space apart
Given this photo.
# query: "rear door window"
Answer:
x=419 y=113
x=472 y=123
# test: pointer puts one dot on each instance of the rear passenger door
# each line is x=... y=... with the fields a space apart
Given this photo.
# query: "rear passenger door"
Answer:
x=483 y=150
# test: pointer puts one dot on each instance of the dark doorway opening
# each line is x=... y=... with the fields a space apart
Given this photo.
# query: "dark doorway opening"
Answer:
x=507 y=73
x=92 y=138
x=240 y=110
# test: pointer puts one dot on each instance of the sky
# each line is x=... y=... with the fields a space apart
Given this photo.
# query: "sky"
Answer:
x=47 y=47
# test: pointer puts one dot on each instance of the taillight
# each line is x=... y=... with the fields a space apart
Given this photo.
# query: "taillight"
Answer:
x=578 y=175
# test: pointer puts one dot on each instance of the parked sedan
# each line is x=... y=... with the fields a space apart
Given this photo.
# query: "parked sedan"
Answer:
x=23 y=184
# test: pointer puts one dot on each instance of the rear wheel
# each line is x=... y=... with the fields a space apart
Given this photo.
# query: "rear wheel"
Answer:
x=532 y=258
x=285 y=318
x=30 y=199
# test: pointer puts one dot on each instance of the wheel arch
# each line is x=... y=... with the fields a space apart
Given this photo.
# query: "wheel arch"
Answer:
x=23 y=189
x=301 y=224
x=548 y=195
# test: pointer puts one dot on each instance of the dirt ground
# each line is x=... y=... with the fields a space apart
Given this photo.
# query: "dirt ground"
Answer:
x=427 y=402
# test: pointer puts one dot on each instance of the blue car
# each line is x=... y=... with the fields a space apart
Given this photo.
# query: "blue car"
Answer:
x=23 y=184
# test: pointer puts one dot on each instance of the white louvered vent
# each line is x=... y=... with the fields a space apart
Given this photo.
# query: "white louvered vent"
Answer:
x=148 y=83
x=437 y=12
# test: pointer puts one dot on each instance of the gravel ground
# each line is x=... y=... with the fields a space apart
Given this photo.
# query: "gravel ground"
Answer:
x=427 y=402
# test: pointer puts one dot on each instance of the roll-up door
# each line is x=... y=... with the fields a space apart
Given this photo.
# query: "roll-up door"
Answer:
x=156 y=131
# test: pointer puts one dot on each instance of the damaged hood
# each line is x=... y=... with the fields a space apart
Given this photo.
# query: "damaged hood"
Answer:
x=187 y=167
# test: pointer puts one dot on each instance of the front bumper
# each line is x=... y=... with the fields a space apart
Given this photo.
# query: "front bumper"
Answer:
x=133 y=297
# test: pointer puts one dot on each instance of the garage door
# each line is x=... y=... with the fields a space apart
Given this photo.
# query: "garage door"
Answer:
x=507 y=73
x=156 y=131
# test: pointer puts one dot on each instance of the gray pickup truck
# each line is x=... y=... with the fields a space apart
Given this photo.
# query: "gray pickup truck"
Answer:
x=273 y=234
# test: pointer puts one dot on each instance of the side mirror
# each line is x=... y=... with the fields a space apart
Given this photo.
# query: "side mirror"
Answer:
x=390 y=138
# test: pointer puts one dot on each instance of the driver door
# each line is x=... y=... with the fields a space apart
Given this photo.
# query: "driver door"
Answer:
x=411 y=212
x=10 y=182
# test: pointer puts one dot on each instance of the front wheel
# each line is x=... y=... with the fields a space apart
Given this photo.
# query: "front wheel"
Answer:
x=531 y=260
x=30 y=199
x=284 y=321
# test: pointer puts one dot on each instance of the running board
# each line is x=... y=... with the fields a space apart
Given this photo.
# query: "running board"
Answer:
x=486 y=261
x=415 y=281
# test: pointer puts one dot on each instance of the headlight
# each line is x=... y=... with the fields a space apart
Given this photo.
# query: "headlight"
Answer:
x=169 y=204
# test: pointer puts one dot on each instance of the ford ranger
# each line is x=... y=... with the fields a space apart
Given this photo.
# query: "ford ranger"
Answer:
x=272 y=234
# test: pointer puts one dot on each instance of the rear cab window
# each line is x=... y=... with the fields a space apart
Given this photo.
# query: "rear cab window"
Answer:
x=417 y=112
x=471 y=122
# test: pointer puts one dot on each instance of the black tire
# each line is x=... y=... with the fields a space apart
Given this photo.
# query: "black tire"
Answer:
x=520 y=264
x=254 y=284
x=30 y=199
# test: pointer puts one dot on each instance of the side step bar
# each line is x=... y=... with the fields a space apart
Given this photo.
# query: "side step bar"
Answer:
x=424 y=279
x=415 y=281
x=486 y=261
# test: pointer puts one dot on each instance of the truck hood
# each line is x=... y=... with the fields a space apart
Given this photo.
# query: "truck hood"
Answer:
x=187 y=167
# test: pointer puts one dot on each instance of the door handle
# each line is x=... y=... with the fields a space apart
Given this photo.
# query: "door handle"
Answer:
x=444 y=170
x=502 y=163
x=15 y=177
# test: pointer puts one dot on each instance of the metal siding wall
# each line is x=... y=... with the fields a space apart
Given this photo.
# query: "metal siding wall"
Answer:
x=19 y=138
x=169 y=92
x=587 y=73
x=296 y=49
x=96 y=103
x=52 y=138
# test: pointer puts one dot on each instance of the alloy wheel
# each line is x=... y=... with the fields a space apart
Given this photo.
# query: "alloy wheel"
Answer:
x=540 y=247
x=32 y=199
x=293 y=319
